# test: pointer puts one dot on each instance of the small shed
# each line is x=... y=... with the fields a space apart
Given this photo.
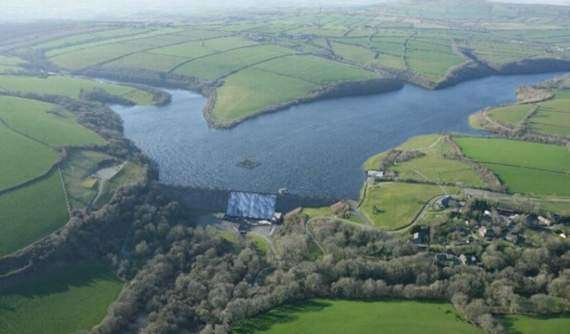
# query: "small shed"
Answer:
x=242 y=205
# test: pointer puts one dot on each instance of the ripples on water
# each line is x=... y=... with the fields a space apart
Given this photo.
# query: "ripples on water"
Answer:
x=313 y=149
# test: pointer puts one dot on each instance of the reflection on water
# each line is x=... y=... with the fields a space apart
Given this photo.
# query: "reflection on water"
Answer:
x=314 y=149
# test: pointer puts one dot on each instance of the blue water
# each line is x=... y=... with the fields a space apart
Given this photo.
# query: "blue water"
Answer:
x=313 y=149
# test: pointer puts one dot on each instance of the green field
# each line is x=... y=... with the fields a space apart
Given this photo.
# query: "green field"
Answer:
x=511 y=116
x=551 y=117
x=325 y=48
x=524 y=167
x=77 y=57
x=529 y=325
x=31 y=213
x=340 y=317
x=316 y=70
x=30 y=133
x=45 y=122
x=435 y=165
x=252 y=90
x=66 y=301
x=10 y=65
x=392 y=206
x=67 y=86
x=90 y=37
x=218 y=65
x=431 y=56
x=278 y=82
x=22 y=158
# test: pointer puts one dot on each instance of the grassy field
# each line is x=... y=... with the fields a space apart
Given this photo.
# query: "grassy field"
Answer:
x=10 y=64
x=551 y=117
x=253 y=90
x=77 y=57
x=524 y=167
x=510 y=116
x=436 y=165
x=45 y=122
x=66 y=301
x=394 y=205
x=31 y=213
x=277 y=82
x=90 y=37
x=30 y=133
x=171 y=57
x=22 y=158
x=327 y=48
x=431 y=56
x=218 y=65
x=68 y=86
x=339 y=317
x=529 y=325
x=147 y=61
x=316 y=70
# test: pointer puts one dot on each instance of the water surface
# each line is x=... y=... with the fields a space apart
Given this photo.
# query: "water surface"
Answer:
x=313 y=149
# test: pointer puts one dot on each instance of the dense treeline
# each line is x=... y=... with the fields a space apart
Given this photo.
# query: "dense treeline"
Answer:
x=188 y=280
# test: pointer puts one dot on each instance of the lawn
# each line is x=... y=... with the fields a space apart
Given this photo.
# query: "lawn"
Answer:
x=525 y=167
x=45 y=122
x=22 y=158
x=66 y=86
x=341 y=316
x=392 y=205
x=69 y=300
x=529 y=325
x=30 y=213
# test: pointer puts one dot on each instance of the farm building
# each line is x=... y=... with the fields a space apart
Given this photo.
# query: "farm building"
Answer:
x=242 y=205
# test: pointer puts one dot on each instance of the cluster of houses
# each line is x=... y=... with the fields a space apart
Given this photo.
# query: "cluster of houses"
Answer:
x=488 y=226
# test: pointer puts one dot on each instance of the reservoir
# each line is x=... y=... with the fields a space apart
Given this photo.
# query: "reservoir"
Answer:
x=315 y=149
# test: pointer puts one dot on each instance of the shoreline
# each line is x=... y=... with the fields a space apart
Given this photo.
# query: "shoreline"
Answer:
x=468 y=71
